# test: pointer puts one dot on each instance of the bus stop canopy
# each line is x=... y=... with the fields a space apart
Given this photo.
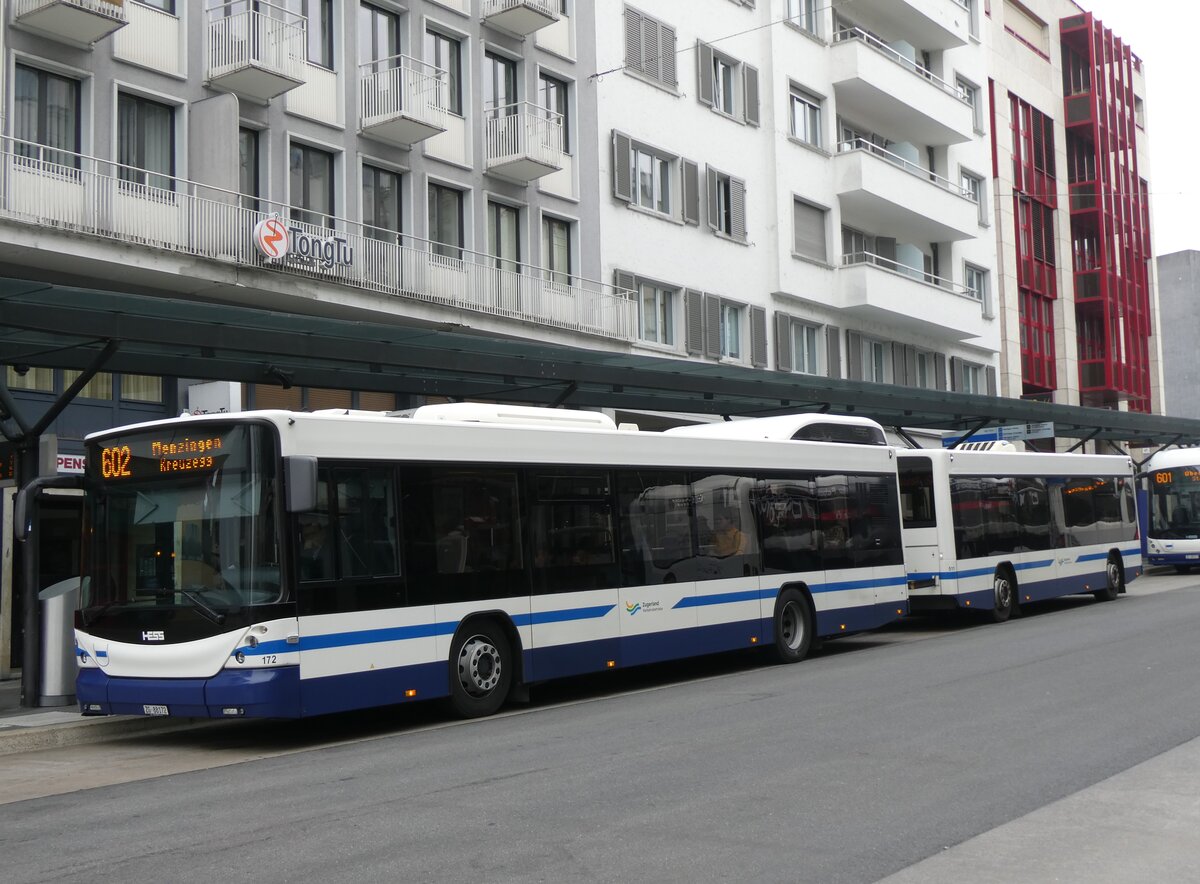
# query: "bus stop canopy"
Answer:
x=69 y=327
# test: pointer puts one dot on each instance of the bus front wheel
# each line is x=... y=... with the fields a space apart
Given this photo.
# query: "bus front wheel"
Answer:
x=481 y=670
x=1114 y=581
x=793 y=627
x=1005 y=600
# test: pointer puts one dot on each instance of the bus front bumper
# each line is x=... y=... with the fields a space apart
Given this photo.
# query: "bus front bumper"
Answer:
x=254 y=693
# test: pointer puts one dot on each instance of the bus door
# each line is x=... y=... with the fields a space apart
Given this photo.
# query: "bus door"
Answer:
x=922 y=551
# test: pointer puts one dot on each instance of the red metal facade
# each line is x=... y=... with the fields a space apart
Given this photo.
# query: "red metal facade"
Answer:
x=1110 y=225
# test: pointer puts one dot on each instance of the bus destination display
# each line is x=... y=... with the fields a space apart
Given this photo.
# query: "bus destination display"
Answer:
x=1178 y=474
x=143 y=458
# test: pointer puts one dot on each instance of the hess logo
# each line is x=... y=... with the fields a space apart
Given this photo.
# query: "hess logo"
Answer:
x=272 y=238
x=153 y=635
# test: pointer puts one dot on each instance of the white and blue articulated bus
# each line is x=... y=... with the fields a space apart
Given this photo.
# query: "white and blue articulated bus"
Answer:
x=994 y=529
x=1171 y=518
x=291 y=564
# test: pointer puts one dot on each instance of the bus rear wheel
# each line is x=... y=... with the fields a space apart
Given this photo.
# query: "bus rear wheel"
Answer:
x=1005 y=595
x=481 y=670
x=1114 y=581
x=793 y=627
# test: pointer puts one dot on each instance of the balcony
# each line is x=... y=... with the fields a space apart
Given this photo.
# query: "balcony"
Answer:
x=256 y=54
x=77 y=22
x=930 y=24
x=401 y=100
x=522 y=142
x=878 y=190
x=877 y=289
x=59 y=193
x=891 y=93
x=520 y=17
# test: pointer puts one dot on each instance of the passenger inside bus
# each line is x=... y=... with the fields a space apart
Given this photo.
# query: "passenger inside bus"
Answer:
x=728 y=539
x=316 y=555
x=1180 y=518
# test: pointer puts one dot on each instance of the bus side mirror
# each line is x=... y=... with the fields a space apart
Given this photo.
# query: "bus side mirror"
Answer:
x=301 y=477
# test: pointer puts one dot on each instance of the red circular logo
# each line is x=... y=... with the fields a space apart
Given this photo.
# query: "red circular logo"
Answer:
x=272 y=237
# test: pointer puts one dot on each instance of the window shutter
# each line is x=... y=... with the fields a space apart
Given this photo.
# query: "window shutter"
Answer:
x=955 y=374
x=650 y=54
x=711 y=188
x=885 y=247
x=737 y=209
x=624 y=280
x=633 y=40
x=854 y=356
x=694 y=308
x=758 y=336
x=991 y=380
x=750 y=98
x=704 y=73
x=899 y=368
x=712 y=326
x=910 y=365
x=622 y=169
x=939 y=371
x=691 y=192
x=783 y=341
x=833 y=350
x=809 y=222
x=667 y=57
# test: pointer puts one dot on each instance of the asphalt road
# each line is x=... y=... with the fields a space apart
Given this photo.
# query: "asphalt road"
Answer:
x=876 y=754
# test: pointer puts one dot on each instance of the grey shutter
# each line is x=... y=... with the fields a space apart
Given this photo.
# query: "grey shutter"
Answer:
x=711 y=191
x=885 y=247
x=737 y=209
x=899 y=369
x=955 y=374
x=650 y=52
x=758 y=336
x=691 y=192
x=910 y=365
x=939 y=370
x=622 y=169
x=633 y=40
x=704 y=73
x=809 y=223
x=624 y=280
x=783 y=341
x=693 y=302
x=667 y=56
x=750 y=96
x=712 y=326
x=990 y=371
x=854 y=356
x=833 y=350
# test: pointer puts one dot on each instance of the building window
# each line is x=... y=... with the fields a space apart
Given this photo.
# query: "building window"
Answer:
x=875 y=361
x=312 y=192
x=975 y=282
x=970 y=93
x=972 y=188
x=552 y=96
x=504 y=236
x=723 y=78
x=972 y=378
x=378 y=38
x=556 y=249
x=99 y=387
x=808 y=222
x=499 y=86
x=731 y=330
x=727 y=85
x=445 y=53
x=652 y=180
x=167 y=6
x=47 y=113
x=806 y=117
x=249 y=168
x=446 y=220
x=381 y=203
x=145 y=141
x=804 y=347
x=656 y=314
x=319 y=14
x=803 y=14
x=926 y=365
x=141 y=388
x=726 y=205
x=650 y=48
x=37 y=380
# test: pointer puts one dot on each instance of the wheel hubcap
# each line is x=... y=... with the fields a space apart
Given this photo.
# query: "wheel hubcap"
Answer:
x=1114 y=575
x=1003 y=593
x=791 y=626
x=479 y=666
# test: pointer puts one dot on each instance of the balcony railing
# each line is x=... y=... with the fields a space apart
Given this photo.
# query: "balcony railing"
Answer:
x=402 y=100
x=523 y=141
x=907 y=165
x=258 y=53
x=904 y=61
x=855 y=259
x=80 y=22
x=73 y=192
x=521 y=17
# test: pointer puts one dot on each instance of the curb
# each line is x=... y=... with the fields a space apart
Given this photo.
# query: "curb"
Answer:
x=15 y=738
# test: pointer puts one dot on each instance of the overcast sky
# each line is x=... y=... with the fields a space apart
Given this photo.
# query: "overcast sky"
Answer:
x=1162 y=33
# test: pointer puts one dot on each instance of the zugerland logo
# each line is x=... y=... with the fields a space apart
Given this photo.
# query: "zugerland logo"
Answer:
x=153 y=635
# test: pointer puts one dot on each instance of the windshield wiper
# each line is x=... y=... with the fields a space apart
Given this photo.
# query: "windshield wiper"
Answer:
x=202 y=606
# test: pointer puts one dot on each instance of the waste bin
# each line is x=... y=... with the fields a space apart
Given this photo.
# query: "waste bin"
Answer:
x=58 y=643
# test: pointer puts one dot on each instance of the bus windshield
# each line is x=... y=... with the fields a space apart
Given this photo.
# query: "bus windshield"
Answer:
x=1175 y=505
x=187 y=521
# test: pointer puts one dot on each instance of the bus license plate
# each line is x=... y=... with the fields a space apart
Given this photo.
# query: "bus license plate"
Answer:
x=155 y=710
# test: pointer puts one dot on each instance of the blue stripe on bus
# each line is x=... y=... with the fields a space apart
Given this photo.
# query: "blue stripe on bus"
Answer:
x=749 y=595
x=564 y=616
x=976 y=572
